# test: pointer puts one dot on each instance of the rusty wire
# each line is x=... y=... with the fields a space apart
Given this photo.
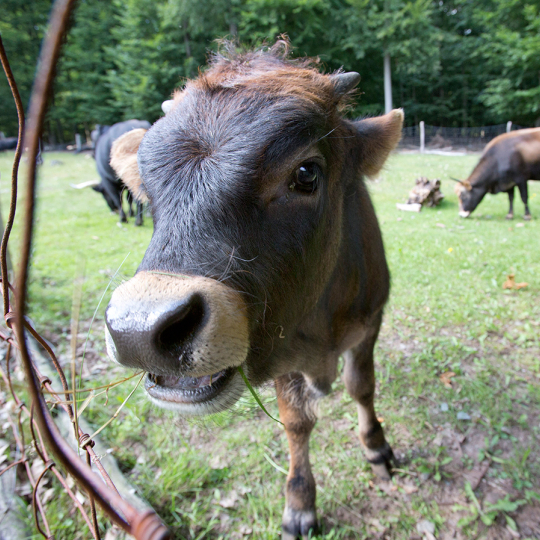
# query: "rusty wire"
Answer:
x=44 y=432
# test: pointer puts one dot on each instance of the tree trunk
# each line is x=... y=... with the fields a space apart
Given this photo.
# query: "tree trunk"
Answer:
x=387 y=84
x=464 y=102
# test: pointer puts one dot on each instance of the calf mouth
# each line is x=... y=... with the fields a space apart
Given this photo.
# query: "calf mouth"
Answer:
x=194 y=396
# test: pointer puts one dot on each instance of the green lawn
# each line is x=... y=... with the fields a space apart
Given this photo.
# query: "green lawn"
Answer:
x=223 y=478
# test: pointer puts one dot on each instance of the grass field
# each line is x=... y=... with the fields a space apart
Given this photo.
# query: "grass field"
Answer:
x=448 y=314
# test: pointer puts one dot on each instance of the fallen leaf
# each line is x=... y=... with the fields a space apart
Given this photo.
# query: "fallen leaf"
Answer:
x=47 y=496
x=218 y=462
x=513 y=533
x=113 y=533
x=520 y=224
x=70 y=482
x=446 y=378
x=409 y=488
x=230 y=500
x=427 y=528
x=510 y=283
x=441 y=225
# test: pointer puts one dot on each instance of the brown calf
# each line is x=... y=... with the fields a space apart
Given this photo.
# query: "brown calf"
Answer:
x=508 y=161
x=266 y=252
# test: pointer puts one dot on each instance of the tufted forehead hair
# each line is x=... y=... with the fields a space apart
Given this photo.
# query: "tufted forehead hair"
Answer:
x=266 y=70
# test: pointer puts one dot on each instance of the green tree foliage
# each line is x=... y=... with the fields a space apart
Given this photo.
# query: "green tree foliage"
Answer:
x=22 y=25
x=82 y=97
x=454 y=62
x=513 y=60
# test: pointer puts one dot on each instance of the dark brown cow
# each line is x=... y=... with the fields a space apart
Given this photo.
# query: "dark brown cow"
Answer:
x=508 y=161
x=266 y=252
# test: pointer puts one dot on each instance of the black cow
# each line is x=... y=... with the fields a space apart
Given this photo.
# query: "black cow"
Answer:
x=508 y=161
x=111 y=187
x=8 y=143
x=266 y=260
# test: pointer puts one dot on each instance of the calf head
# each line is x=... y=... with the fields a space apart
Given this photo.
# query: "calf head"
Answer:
x=246 y=177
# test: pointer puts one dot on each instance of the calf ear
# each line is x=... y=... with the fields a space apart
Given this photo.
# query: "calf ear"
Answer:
x=377 y=138
x=124 y=162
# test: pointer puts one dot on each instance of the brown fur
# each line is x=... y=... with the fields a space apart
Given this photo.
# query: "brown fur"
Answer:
x=124 y=162
x=520 y=133
x=320 y=279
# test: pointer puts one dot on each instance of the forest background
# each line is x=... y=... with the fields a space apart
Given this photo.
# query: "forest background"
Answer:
x=454 y=63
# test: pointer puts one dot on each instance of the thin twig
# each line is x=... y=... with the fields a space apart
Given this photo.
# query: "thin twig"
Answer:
x=14 y=176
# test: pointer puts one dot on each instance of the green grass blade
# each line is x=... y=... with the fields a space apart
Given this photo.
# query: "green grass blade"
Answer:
x=255 y=396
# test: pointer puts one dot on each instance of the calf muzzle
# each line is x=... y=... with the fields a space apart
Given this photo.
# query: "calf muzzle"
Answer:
x=189 y=333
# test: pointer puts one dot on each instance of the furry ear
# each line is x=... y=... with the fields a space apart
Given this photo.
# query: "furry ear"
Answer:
x=124 y=162
x=378 y=137
x=166 y=106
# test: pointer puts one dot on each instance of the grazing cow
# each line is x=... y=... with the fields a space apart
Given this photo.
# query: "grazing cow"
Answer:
x=266 y=256
x=110 y=186
x=509 y=160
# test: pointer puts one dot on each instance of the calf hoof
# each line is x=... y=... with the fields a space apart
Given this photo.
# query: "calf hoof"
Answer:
x=138 y=222
x=381 y=461
x=527 y=217
x=509 y=216
x=298 y=524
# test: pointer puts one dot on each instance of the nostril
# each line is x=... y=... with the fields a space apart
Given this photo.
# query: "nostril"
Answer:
x=181 y=325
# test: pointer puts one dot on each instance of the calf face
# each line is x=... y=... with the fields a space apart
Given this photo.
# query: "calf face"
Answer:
x=468 y=199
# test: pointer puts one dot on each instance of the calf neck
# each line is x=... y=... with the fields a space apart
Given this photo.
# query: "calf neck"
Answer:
x=266 y=253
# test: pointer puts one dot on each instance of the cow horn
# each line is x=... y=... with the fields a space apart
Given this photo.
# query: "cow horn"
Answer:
x=166 y=106
x=343 y=82
x=456 y=180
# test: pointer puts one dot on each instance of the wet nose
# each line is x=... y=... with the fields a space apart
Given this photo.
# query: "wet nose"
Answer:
x=155 y=336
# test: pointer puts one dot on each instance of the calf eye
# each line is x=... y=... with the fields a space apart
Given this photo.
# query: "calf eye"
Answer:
x=306 y=178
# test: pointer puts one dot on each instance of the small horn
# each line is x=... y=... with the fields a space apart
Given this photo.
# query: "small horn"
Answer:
x=166 y=106
x=456 y=180
x=344 y=82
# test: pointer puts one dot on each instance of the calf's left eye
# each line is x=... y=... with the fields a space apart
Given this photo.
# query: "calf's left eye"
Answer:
x=306 y=178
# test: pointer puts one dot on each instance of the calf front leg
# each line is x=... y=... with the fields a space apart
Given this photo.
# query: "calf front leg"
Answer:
x=359 y=378
x=139 y=219
x=524 y=192
x=510 y=192
x=299 y=516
